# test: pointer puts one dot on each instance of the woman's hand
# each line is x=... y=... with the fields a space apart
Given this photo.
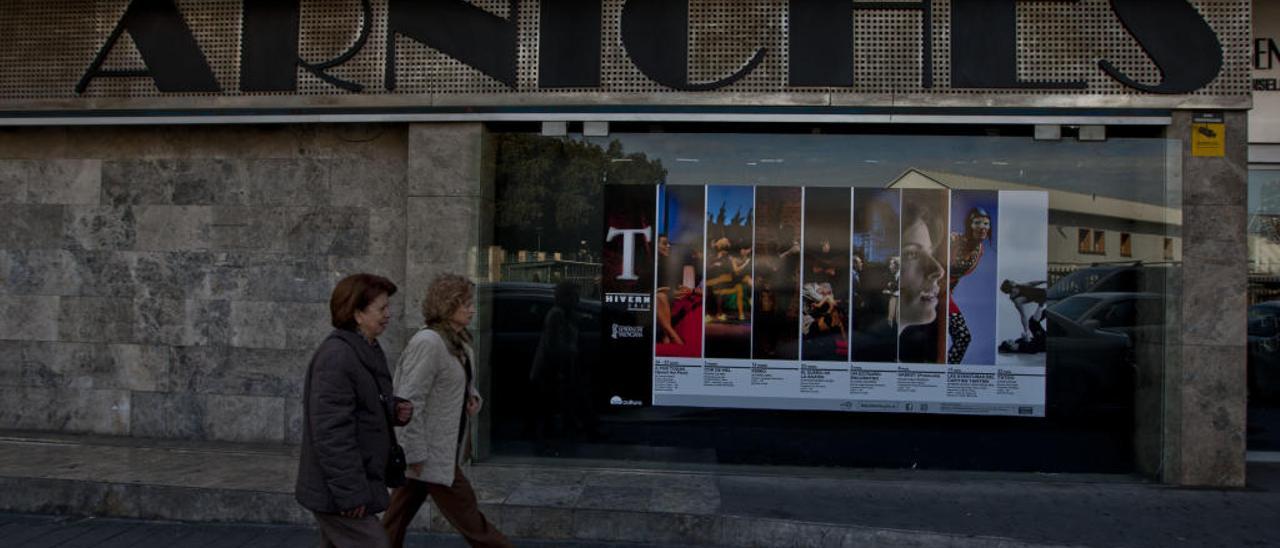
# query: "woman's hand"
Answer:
x=473 y=405
x=404 y=412
x=357 y=512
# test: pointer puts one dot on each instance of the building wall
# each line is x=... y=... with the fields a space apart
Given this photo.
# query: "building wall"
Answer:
x=173 y=281
x=1149 y=248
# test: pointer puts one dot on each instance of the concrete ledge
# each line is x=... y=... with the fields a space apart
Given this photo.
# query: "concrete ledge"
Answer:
x=780 y=507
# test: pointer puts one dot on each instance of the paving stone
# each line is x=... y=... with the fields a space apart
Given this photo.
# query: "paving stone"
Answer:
x=30 y=318
x=607 y=497
x=559 y=496
x=174 y=228
x=537 y=522
x=31 y=226
x=49 y=272
x=100 y=227
x=685 y=501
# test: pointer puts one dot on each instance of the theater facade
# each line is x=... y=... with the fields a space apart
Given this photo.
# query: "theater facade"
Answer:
x=980 y=234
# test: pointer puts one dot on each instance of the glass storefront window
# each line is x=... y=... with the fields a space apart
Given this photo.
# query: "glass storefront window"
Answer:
x=1264 y=309
x=1098 y=310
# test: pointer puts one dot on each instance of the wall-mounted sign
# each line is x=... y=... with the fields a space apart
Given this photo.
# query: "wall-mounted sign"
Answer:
x=157 y=48
x=1208 y=135
x=1264 y=118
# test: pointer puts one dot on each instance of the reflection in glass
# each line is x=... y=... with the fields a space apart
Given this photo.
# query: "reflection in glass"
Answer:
x=547 y=226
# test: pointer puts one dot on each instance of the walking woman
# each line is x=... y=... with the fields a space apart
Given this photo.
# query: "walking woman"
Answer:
x=437 y=374
x=347 y=438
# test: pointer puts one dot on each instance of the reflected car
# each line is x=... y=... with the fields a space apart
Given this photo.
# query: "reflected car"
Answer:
x=1116 y=278
x=1264 y=351
x=1091 y=348
x=519 y=311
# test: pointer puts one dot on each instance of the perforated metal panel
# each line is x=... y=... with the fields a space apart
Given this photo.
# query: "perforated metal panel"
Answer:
x=46 y=46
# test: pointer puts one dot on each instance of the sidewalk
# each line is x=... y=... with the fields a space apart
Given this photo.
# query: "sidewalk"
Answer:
x=205 y=482
x=40 y=531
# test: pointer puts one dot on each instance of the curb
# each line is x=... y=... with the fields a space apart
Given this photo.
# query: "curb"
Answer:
x=196 y=504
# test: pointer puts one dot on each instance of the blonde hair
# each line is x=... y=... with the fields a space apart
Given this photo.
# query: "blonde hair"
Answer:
x=445 y=294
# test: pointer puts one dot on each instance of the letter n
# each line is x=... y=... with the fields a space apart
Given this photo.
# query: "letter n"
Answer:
x=169 y=50
x=458 y=29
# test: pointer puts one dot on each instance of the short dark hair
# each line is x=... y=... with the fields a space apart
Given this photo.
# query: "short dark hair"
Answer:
x=354 y=293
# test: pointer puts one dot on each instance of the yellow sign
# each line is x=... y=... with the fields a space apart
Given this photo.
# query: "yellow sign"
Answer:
x=1209 y=140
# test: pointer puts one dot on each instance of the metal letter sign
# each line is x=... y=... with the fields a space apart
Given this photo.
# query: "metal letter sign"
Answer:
x=655 y=38
x=173 y=58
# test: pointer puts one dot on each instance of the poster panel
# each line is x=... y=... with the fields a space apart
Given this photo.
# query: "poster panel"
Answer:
x=909 y=273
x=678 y=285
x=922 y=290
x=776 y=303
x=728 y=294
x=627 y=292
x=971 y=312
x=876 y=263
x=1023 y=273
x=824 y=285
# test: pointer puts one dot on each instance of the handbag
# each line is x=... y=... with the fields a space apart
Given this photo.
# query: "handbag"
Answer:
x=396 y=464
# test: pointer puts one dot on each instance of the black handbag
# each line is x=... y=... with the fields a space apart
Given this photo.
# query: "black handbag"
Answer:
x=396 y=464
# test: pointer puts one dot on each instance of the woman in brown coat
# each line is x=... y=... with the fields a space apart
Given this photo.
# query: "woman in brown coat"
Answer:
x=437 y=374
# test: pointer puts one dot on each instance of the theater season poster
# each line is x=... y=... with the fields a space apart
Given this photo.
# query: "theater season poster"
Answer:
x=826 y=298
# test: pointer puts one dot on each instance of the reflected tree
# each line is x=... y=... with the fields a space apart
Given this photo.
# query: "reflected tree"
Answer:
x=549 y=189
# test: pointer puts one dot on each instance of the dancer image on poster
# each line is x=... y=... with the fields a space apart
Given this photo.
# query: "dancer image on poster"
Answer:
x=728 y=287
x=776 y=284
x=920 y=281
x=876 y=236
x=678 y=294
x=1022 y=270
x=679 y=289
x=971 y=305
x=1028 y=299
x=825 y=289
x=729 y=277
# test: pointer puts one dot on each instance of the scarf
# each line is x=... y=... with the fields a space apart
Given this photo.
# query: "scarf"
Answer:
x=456 y=339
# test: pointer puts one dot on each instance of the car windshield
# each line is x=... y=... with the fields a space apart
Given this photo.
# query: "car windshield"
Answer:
x=1076 y=282
x=1261 y=322
x=1257 y=314
x=1074 y=307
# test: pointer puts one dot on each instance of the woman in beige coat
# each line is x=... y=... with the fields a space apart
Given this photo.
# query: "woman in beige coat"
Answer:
x=437 y=374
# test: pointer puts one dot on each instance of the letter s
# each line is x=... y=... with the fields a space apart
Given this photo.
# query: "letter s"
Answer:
x=1178 y=40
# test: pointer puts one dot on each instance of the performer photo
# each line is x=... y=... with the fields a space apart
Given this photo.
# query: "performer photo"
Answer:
x=967 y=250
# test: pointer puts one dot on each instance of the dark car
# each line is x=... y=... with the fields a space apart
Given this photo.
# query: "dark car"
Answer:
x=1120 y=278
x=1264 y=351
x=519 y=312
x=1093 y=348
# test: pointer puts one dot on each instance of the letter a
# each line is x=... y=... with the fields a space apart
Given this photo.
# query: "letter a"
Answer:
x=170 y=52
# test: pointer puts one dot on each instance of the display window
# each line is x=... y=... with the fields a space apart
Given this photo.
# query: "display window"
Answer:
x=1264 y=310
x=823 y=296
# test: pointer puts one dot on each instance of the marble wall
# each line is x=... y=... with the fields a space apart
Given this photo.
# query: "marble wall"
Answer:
x=1204 y=385
x=173 y=282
